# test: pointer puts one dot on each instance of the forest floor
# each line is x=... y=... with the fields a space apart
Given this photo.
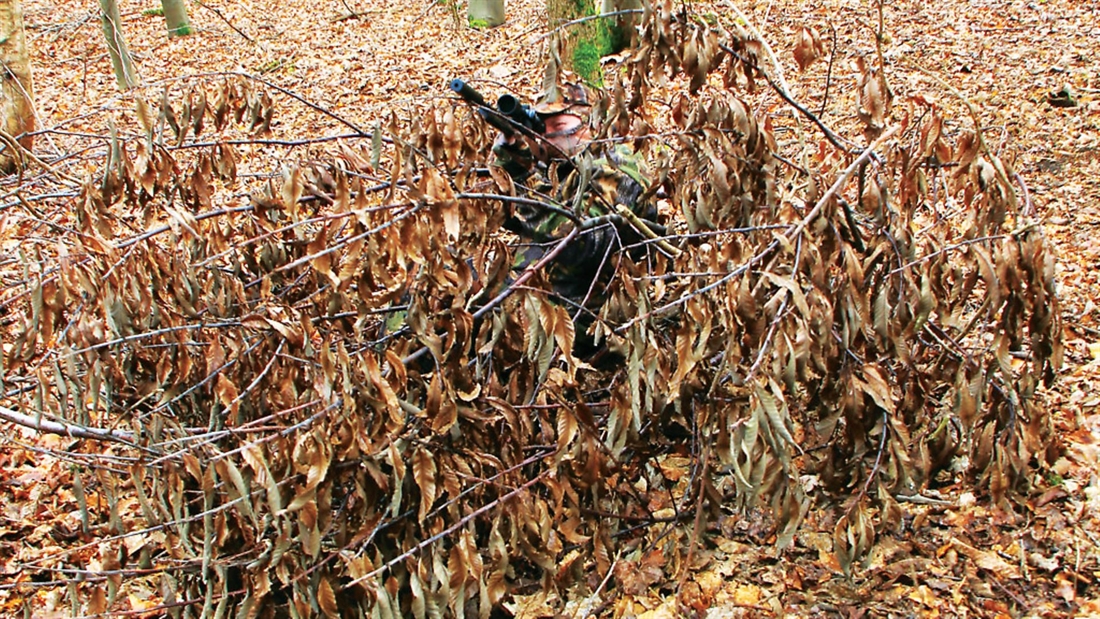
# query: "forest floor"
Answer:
x=350 y=62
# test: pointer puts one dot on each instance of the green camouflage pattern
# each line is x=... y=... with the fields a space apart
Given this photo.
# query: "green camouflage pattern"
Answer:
x=617 y=176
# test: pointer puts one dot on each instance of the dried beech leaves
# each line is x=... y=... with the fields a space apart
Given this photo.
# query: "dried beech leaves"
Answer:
x=335 y=408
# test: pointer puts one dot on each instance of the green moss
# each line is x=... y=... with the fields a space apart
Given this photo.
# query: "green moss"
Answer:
x=709 y=19
x=617 y=40
x=592 y=40
x=586 y=63
x=479 y=24
x=159 y=12
x=278 y=64
x=595 y=43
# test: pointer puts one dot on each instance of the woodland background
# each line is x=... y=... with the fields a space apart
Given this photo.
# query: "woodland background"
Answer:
x=329 y=65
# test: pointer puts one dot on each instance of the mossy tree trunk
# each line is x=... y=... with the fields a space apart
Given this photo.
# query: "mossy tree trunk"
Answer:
x=17 y=96
x=121 y=60
x=584 y=43
x=622 y=26
x=175 y=14
x=485 y=13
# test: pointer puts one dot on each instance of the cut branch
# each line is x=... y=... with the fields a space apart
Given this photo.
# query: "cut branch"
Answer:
x=63 y=428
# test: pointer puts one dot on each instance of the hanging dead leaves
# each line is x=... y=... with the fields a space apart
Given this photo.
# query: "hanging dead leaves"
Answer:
x=808 y=48
x=333 y=406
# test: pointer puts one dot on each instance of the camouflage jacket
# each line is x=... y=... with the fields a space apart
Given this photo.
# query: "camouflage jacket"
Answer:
x=617 y=176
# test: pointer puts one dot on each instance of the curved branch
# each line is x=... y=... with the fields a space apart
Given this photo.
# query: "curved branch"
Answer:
x=587 y=18
x=22 y=153
x=527 y=274
x=830 y=135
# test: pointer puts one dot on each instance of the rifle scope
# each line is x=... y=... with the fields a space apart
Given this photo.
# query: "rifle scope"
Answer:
x=509 y=111
x=522 y=114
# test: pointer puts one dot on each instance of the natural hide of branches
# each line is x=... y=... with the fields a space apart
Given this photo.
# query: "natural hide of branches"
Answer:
x=297 y=438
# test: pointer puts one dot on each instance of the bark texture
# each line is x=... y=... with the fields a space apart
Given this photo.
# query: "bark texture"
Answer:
x=175 y=15
x=17 y=98
x=121 y=60
x=485 y=13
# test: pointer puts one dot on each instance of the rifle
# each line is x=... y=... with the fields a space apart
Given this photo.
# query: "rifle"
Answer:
x=509 y=116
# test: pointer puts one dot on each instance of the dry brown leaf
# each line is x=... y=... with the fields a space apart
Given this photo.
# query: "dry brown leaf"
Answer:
x=808 y=48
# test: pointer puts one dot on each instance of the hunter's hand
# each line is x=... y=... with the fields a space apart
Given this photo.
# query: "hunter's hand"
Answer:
x=508 y=144
x=513 y=154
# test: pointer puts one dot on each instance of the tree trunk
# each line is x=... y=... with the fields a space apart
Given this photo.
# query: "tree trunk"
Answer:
x=622 y=27
x=175 y=14
x=17 y=96
x=584 y=43
x=121 y=60
x=578 y=44
x=485 y=13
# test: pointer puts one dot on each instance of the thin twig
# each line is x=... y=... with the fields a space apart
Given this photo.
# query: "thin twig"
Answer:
x=304 y=101
x=1029 y=208
x=764 y=43
x=839 y=183
x=21 y=153
x=540 y=204
x=148 y=334
x=449 y=530
x=920 y=499
x=225 y=19
x=335 y=246
x=879 y=37
x=698 y=523
x=587 y=18
x=504 y=294
x=204 y=381
x=201 y=216
x=268 y=142
x=205 y=438
x=545 y=451
x=949 y=248
x=38 y=561
x=878 y=460
x=290 y=93
x=287 y=431
x=779 y=315
x=830 y=135
x=828 y=73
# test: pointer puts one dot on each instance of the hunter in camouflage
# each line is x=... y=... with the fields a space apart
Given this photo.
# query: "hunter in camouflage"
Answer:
x=576 y=183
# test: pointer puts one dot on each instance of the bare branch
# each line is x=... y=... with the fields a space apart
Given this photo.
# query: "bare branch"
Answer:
x=64 y=428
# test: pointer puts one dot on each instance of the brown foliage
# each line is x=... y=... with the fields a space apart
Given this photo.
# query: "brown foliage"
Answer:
x=300 y=451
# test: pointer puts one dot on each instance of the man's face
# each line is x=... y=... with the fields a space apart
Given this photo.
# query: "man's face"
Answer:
x=567 y=132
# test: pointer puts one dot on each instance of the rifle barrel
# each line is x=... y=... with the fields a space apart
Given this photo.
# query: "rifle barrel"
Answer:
x=508 y=116
x=467 y=92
